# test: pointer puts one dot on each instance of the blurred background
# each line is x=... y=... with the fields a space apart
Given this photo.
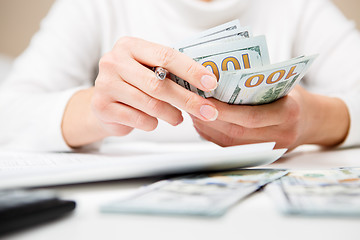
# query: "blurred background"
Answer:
x=19 y=20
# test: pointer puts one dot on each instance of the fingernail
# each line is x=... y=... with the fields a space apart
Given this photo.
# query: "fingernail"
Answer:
x=179 y=121
x=208 y=82
x=209 y=112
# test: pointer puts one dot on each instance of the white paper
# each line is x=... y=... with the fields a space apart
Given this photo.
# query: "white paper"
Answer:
x=44 y=169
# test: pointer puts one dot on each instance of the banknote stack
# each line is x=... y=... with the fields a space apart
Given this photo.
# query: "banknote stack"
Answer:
x=197 y=195
x=242 y=65
x=333 y=192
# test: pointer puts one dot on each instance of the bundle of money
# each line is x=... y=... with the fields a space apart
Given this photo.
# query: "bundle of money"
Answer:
x=242 y=66
x=333 y=192
x=198 y=194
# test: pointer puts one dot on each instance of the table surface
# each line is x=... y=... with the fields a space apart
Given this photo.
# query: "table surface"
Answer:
x=255 y=217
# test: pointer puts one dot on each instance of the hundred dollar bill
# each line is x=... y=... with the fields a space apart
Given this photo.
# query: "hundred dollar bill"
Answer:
x=222 y=30
x=236 y=34
x=198 y=194
x=225 y=56
x=262 y=84
x=320 y=192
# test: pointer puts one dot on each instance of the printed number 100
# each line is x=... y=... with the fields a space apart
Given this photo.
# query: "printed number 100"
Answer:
x=224 y=65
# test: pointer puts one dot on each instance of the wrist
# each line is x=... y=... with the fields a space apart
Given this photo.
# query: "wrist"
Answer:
x=330 y=121
x=79 y=125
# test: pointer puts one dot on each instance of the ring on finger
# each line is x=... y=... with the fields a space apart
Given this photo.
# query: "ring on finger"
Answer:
x=160 y=73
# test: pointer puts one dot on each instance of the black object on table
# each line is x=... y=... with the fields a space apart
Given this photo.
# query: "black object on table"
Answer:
x=21 y=209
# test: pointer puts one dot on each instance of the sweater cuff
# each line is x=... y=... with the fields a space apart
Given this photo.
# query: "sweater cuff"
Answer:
x=53 y=139
x=353 y=137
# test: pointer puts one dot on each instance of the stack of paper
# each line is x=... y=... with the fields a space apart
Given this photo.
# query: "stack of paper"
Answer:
x=44 y=169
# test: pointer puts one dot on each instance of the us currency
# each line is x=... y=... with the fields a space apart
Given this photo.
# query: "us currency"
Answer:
x=198 y=194
x=229 y=55
x=233 y=34
x=221 y=31
x=236 y=57
x=262 y=84
x=322 y=192
x=219 y=34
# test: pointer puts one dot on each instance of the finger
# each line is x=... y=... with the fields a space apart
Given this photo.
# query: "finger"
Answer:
x=230 y=134
x=116 y=129
x=137 y=99
x=259 y=116
x=152 y=54
x=220 y=138
x=123 y=114
x=167 y=91
x=235 y=131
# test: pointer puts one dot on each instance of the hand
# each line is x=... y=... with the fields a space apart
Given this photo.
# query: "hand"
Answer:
x=128 y=95
x=299 y=118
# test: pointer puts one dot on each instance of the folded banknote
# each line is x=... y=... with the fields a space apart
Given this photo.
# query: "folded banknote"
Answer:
x=334 y=192
x=208 y=194
x=242 y=66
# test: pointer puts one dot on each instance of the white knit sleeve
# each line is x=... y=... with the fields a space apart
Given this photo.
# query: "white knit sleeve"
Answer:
x=325 y=31
x=60 y=60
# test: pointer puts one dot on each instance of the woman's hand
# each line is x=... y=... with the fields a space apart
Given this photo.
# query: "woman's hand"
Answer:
x=299 y=118
x=128 y=95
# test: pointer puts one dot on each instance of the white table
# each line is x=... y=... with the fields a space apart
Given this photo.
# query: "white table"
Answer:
x=253 y=218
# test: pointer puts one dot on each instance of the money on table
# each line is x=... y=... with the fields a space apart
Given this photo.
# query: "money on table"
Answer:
x=207 y=194
x=333 y=192
x=242 y=66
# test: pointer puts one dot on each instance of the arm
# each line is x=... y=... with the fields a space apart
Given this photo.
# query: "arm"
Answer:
x=59 y=61
x=51 y=85
x=127 y=94
x=299 y=118
x=335 y=73
x=325 y=113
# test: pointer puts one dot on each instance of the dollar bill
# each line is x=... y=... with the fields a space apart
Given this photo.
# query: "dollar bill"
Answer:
x=198 y=194
x=225 y=56
x=262 y=84
x=320 y=192
x=242 y=65
x=236 y=34
x=222 y=30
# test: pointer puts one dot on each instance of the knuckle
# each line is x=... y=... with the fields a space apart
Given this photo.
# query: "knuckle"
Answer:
x=254 y=119
x=293 y=113
x=155 y=86
x=287 y=142
x=290 y=110
x=190 y=101
x=193 y=69
x=106 y=60
x=226 y=140
x=290 y=138
x=122 y=65
x=114 y=62
x=121 y=130
x=235 y=131
x=151 y=127
x=165 y=56
x=155 y=106
x=142 y=122
x=125 y=41
x=139 y=120
x=98 y=103
x=104 y=85
x=111 y=63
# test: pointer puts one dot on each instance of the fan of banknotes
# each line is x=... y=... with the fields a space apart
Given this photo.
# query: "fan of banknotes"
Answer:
x=332 y=192
x=242 y=65
x=202 y=194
